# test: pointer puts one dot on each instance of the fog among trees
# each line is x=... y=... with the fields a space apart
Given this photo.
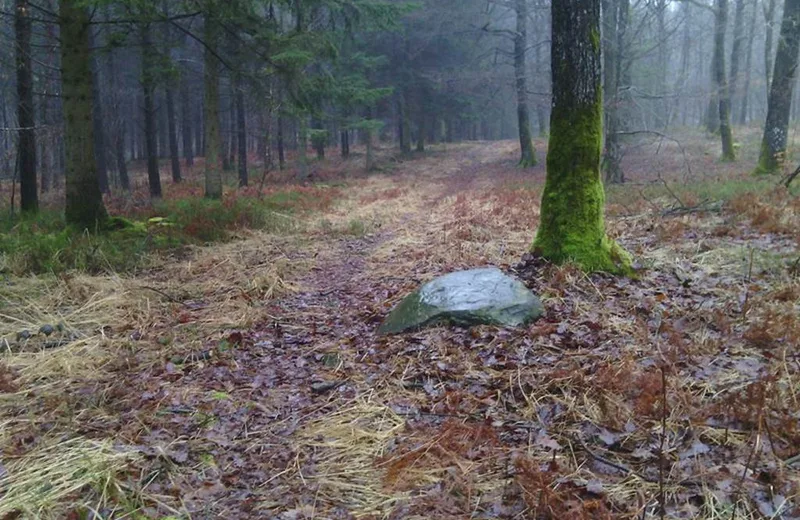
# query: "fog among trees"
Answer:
x=163 y=80
x=387 y=259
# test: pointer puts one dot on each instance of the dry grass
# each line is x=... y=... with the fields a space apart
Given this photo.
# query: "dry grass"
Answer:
x=82 y=473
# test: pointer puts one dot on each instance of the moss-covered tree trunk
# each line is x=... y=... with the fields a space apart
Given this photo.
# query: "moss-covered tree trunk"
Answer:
x=527 y=152
x=84 y=200
x=776 y=129
x=572 y=226
x=721 y=80
x=25 y=116
x=213 y=144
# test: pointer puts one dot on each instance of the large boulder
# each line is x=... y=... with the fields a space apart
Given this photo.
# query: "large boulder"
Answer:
x=465 y=298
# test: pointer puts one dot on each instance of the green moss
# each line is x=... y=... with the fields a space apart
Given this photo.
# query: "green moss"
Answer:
x=572 y=227
x=595 y=36
x=768 y=163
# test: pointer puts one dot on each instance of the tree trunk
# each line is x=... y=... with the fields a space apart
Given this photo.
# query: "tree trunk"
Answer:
x=26 y=155
x=119 y=125
x=241 y=130
x=420 y=129
x=613 y=155
x=150 y=123
x=527 y=152
x=370 y=159
x=572 y=226
x=405 y=124
x=736 y=51
x=213 y=173
x=776 y=129
x=769 y=20
x=720 y=25
x=663 y=64
x=98 y=121
x=174 y=153
x=302 y=155
x=186 y=124
x=683 y=78
x=345 y=138
x=281 y=144
x=84 y=200
x=748 y=68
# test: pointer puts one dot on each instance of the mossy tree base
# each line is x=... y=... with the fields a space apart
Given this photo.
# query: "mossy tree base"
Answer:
x=528 y=161
x=572 y=227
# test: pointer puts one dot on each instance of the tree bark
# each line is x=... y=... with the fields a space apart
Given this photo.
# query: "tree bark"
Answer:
x=302 y=155
x=776 y=129
x=281 y=144
x=744 y=107
x=213 y=173
x=613 y=157
x=150 y=123
x=84 y=200
x=769 y=21
x=527 y=152
x=241 y=129
x=663 y=64
x=119 y=126
x=174 y=153
x=739 y=39
x=186 y=124
x=98 y=121
x=405 y=124
x=26 y=150
x=345 y=139
x=720 y=26
x=572 y=226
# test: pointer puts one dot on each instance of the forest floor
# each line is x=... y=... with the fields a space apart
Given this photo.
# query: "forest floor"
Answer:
x=246 y=380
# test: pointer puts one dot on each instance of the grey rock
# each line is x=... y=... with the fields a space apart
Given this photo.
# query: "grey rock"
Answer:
x=466 y=298
x=46 y=329
x=23 y=335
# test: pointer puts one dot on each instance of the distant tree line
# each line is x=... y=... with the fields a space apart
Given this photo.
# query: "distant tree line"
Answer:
x=90 y=87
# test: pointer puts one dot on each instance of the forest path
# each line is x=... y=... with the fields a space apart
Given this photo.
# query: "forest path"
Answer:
x=246 y=380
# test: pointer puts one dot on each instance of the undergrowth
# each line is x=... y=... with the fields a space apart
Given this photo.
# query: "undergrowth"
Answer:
x=44 y=243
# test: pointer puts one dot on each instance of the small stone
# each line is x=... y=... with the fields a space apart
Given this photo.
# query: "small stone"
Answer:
x=46 y=329
x=23 y=335
x=478 y=296
x=326 y=386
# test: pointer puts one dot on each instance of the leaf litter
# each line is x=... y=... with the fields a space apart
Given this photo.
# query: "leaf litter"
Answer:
x=247 y=379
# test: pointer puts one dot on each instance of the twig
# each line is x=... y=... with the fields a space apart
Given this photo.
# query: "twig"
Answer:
x=661 y=494
x=752 y=455
x=746 y=304
x=792 y=176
